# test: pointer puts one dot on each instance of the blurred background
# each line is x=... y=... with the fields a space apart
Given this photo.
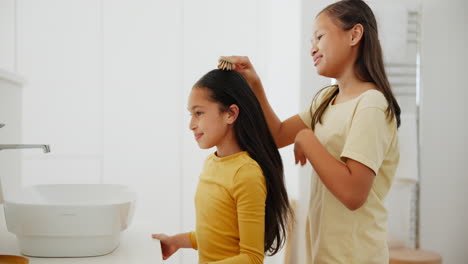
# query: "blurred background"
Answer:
x=106 y=82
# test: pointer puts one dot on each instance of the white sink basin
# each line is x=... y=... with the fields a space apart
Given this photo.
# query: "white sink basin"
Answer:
x=69 y=220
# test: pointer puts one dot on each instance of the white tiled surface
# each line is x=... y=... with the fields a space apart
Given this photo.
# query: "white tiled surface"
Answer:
x=136 y=246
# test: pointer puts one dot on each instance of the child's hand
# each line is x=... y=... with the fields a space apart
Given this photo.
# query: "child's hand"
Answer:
x=243 y=65
x=168 y=245
x=299 y=155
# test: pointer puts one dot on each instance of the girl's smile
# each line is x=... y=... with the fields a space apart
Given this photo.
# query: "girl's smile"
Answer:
x=198 y=136
x=317 y=59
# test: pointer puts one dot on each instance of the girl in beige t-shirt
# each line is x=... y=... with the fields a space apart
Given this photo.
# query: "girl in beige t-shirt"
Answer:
x=348 y=134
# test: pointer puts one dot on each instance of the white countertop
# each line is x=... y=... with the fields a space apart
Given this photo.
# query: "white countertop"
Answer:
x=136 y=246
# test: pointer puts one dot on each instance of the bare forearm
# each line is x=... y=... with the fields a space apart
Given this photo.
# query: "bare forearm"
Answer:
x=351 y=189
x=182 y=240
x=282 y=132
x=332 y=172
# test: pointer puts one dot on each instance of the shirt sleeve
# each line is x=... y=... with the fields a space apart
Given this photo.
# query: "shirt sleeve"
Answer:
x=306 y=115
x=249 y=192
x=369 y=138
x=193 y=240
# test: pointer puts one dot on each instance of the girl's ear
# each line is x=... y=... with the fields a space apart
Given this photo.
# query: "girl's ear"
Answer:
x=232 y=114
x=356 y=34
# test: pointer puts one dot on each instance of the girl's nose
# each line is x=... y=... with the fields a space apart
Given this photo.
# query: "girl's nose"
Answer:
x=313 y=50
x=192 y=124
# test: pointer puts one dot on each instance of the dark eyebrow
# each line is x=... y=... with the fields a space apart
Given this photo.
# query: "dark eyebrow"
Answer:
x=316 y=32
x=195 y=106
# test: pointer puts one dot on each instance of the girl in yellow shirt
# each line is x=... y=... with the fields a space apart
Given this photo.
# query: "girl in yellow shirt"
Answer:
x=348 y=134
x=241 y=202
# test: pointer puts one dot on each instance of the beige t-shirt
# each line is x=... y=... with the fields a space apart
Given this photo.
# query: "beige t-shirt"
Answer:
x=357 y=129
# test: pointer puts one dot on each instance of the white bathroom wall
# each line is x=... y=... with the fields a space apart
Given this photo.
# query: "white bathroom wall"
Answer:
x=58 y=51
x=7 y=33
x=10 y=97
x=444 y=122
x=10 y=116
x=142 y=106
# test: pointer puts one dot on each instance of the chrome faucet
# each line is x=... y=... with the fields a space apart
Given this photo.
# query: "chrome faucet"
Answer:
x=45 y=148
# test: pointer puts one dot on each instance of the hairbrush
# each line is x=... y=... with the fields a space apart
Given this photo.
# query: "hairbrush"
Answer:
x=224 y=64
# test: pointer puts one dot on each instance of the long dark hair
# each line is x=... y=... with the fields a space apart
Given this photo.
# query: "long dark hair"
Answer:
x=252 y=134
x=369 y=63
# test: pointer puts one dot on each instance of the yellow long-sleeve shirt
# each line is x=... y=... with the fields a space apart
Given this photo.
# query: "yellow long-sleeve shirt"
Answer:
x=230 y=211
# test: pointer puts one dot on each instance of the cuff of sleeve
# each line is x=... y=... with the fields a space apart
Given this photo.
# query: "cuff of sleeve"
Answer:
x=362 y=159
x=306 y=117
x=193 y=239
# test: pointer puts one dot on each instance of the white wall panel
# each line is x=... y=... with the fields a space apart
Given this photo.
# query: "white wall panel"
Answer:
x=142 y=105
x=60 y=169
x=10 y=116
x=444 y=144
x=58 y=53
x=7 y=35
